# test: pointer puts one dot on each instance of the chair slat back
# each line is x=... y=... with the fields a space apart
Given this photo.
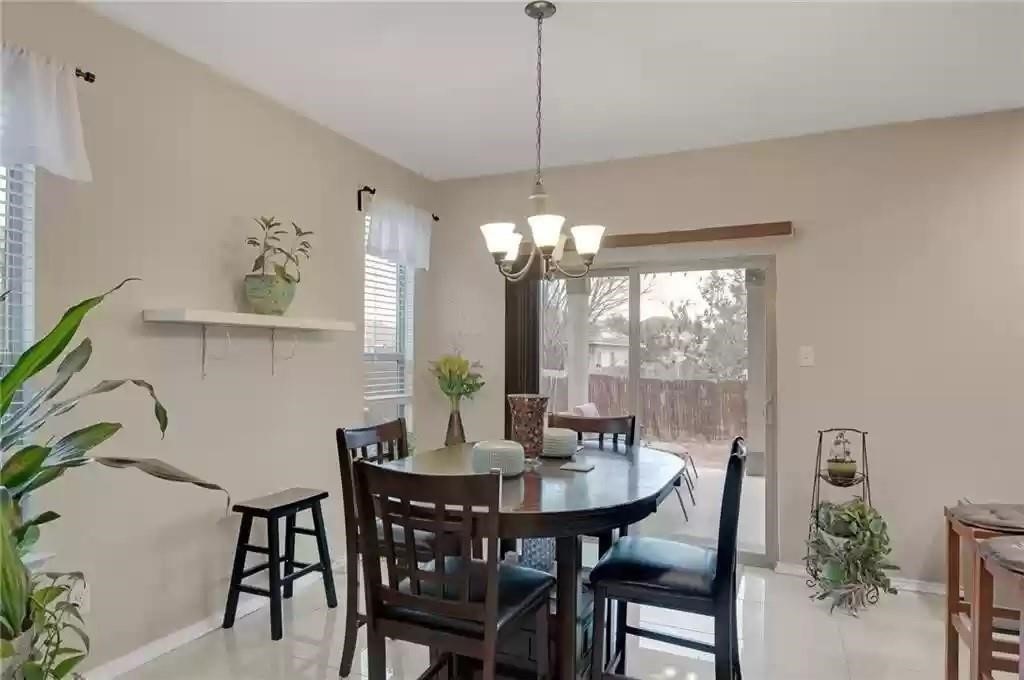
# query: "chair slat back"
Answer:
x=729 y=520
x=624 y=426
x=462 y=508
x=383 y=442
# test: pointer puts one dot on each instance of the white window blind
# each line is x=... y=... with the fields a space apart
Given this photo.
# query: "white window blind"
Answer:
x=388 y=333
x=17 y=266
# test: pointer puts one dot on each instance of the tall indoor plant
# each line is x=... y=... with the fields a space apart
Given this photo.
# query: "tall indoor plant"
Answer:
x=457 y=378
x=42 y=634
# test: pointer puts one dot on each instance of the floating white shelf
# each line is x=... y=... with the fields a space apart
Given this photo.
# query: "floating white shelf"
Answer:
x=209 y=317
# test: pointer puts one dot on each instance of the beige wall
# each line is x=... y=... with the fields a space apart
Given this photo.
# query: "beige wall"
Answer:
x=906 y=274
x=182 y=159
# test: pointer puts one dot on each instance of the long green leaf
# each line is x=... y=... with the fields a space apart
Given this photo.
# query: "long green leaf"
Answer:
x=15 y=586
x=67 y=665
x=80 y=441
x=73 y=362
x=60 y=407
x=161 y=470
x=44 y=352
x=23 y=465
x=33 y=671
x=42 y=518
x=45 y=476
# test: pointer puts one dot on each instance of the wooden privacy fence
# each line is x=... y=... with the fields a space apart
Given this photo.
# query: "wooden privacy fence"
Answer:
x=670 y=410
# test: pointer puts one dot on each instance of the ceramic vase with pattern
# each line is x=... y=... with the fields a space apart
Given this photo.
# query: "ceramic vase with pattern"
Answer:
x=528 y=411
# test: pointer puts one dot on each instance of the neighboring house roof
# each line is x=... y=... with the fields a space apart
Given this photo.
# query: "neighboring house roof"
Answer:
x=608 y=338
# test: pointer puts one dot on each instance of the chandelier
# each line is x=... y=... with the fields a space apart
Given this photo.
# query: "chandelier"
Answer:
x=503 y=241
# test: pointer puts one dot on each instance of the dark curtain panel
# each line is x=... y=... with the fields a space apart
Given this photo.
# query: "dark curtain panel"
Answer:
x=522 y=336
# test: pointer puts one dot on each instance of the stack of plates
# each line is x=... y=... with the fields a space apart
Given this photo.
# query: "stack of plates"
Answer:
x=559 y=443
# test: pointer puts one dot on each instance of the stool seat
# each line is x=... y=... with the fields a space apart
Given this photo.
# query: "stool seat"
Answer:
x=1006 y=551
x=280 y=502
x=1001 y=517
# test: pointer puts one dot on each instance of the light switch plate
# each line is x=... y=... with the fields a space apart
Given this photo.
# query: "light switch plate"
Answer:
x=806 y=355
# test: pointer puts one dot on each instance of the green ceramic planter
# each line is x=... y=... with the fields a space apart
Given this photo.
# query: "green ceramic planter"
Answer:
x=268 y=293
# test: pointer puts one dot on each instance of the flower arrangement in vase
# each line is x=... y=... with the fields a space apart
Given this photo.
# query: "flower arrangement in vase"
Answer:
x=457 y=378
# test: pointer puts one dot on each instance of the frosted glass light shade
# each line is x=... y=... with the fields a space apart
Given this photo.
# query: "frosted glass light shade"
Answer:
x=513 y=249
x=587 y=238
x=546 y=229
x=498 y=236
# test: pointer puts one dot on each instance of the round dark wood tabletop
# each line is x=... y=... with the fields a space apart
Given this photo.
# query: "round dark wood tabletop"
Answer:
x=626 y=485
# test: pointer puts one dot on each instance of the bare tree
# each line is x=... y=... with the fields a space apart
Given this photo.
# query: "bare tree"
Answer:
x=608 y=296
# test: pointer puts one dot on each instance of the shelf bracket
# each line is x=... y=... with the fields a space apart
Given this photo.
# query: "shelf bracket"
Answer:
x=273 y=350
x=205 y=354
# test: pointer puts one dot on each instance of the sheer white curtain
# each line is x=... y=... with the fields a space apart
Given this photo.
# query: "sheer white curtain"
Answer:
x=399 y=232
x=39 y=120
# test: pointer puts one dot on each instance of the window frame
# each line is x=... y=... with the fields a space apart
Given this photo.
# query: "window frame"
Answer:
x=401 y=353
x=17 y=265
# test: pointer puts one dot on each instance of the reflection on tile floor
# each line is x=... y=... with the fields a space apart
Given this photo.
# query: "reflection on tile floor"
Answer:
x=784 y=635
x=702 y=525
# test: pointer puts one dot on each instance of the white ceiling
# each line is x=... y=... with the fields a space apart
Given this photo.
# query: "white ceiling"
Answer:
x=447 y=89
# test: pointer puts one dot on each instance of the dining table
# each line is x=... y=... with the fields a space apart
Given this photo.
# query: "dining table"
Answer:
x=626 y=484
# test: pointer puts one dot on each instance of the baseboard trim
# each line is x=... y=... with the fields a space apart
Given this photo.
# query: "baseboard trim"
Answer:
x=908 y=584
x=247 y=604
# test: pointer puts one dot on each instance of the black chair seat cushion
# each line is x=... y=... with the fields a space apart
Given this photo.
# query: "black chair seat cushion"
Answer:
x=518 y=587
x=656 y=563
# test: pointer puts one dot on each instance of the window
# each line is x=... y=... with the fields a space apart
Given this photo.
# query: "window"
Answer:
x=17 y=267
x=387 y=339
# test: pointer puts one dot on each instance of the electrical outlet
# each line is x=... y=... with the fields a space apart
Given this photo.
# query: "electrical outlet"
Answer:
x=80 y=595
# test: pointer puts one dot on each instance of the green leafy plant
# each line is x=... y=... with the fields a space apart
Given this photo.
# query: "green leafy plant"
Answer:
x=26 y=605
x=456 y=377
x=848 y=555
x=269 y=245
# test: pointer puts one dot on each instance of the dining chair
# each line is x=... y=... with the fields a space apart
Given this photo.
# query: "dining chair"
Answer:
x=376 y=443
x=678 y=576
x=458 y=605
x=616 y=426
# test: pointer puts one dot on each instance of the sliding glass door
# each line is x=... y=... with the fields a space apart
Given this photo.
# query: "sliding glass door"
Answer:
x=687 y=351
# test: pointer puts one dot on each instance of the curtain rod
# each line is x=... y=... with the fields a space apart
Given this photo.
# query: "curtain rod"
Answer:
x=87 y=76
x=373 y=192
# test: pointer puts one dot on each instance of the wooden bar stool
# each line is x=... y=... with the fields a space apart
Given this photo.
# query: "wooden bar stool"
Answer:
x=966 y=526
x=1001 y=558
x=272 y=508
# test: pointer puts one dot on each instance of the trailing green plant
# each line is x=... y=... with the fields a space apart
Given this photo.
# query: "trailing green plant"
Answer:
x=457 y=377
x=269 y=245
x=848 y=555
x=44 y=609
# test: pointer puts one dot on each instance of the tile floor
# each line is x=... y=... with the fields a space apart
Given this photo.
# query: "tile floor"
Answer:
x=784 y=636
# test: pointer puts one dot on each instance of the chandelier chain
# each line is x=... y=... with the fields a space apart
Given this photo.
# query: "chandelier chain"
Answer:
x=540 y=55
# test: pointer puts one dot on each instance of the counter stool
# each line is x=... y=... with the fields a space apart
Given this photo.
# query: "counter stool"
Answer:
x=1001 y=558
x=968 y=524
x=273 y=507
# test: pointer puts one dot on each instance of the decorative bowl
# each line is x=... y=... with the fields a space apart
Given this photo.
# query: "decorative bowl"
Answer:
x=559 y=442
x=505 y=455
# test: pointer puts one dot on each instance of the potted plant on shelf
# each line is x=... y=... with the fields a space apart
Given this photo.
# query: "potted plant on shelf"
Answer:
x=841 y=468
x=457 y=379
x=848 y=555
x=272 y=293
x=42 y=634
